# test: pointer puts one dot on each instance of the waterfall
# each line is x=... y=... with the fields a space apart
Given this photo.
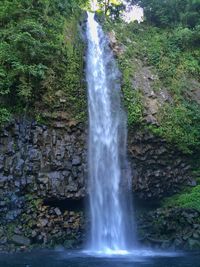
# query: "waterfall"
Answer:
x=109 y=176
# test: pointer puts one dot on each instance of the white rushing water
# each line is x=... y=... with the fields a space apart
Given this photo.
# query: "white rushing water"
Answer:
x=109 y=174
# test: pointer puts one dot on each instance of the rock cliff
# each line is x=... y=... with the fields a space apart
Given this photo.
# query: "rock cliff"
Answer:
x=43 y=177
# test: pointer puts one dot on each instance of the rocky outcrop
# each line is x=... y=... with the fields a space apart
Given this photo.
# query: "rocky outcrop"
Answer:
x=158 y=169
x=40 y=165
x=170 y=228
x=118 y=49
x=27 y=222
x=47 y=161
x=154 y=96
x=43 y=179
x=50 y=162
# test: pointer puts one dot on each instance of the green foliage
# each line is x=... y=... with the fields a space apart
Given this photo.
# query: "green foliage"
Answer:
x=174 y=53
x=132 y=97
x=180 y=125
x=5 y=115
x=34 y=52
x=190 y=198
x=111 y=8
x=75 y=89
x=171 y=13
x=66 y=86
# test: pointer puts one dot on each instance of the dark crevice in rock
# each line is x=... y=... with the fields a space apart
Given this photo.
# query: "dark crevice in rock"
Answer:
x=142 y=205
x=66 y=204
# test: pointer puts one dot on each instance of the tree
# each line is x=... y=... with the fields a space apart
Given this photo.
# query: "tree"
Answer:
x=170 y=13
x=106 y=4
x=112 y=8
x=34 y=54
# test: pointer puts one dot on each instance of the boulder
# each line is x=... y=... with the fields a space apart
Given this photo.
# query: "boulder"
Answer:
x=21 y=240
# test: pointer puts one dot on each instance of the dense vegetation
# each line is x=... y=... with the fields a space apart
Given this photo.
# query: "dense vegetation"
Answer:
x=169 y=41
x=40 y=55
x=173 y=50
x=171 y=13
x=189 y=198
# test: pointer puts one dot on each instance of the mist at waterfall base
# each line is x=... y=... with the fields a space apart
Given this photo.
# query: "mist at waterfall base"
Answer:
x=109 y=172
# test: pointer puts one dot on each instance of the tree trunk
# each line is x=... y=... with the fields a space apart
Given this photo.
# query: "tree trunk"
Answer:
x=107 y=3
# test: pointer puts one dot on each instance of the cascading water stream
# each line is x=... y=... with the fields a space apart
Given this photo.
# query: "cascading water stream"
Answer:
x=109 y=177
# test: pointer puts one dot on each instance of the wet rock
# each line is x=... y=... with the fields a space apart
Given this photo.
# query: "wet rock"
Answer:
x=166 y=171
x=1 y=162
x=21 y=240
x=170 y=223
x=43 y=222
x=44 y=160
x=57 y=211
x=19 y=167
x=3 y=240
x=194 y=244
x=117 y=48
x=13 y=214
x=145 y=82
x=150 y=119
x=2 y=203
x=192 y=183
x=17 y=231
x=33 y=233
x=76 y=161
x=59 y=124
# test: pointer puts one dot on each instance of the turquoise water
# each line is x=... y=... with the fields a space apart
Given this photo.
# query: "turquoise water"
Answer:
x=73 y=259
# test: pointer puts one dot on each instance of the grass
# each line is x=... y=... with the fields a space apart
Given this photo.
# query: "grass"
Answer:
x=189 y=198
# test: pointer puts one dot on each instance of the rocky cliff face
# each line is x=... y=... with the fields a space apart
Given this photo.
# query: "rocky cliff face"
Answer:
x=158 y=169
x=42 y=182
x=43 y=179
x=170 y=228
x=47 y=161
